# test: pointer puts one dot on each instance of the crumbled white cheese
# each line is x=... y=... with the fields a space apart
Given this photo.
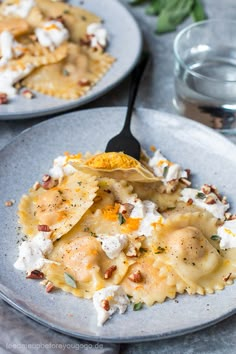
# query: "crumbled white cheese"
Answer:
x=98 y=35
x=146 y=211
x=9 y=48
x=9 y=77
x=52 y=34
x=32 y=252
x=20 y=8
x=117 y=301
x=227 y=234
x=217 y=210
x=165 y=168
x=61 y=168
x=113 y=245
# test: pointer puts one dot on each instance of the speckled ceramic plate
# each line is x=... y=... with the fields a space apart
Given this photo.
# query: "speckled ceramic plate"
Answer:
x=125 y=43
x=211 y=158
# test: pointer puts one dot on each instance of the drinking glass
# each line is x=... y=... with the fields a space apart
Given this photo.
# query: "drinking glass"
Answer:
x=205 y=73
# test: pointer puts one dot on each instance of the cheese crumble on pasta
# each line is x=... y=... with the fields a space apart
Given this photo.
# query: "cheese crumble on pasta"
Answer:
x=118 y=231
x=51 y=47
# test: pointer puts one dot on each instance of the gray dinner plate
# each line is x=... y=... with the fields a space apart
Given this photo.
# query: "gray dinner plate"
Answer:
x=211 y=158
x=125 y=44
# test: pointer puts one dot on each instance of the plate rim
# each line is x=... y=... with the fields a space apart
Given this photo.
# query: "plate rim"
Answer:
x=69 y=106
x=145 y=338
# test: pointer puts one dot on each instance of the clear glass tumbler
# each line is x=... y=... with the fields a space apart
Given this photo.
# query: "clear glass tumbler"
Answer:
x=205 y=73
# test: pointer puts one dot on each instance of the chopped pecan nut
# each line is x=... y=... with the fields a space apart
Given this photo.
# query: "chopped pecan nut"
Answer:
x=3 y=98
x=206 y=189
x=9 y=203
x=28 y=94
x=48 y=182
x=227 y=277
x=109 y=272
x=126 y=209
x=190 y=201
x=188 y=171
x=136 y=277
x=36 y=186
x=35 y=274
x=44 y=228
x=84 y=82
x=49 y=287
x=224 y=200
x=105 y=305
x=210 y=200
x=185 y=181
x=233 y=217
x=132 y=251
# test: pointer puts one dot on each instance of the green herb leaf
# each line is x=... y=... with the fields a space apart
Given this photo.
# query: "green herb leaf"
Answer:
x=121 y=219
x=70 y=280
x=137 y=2
x=155 y=7
x=173 y=14
x=165 y=171
x=215 y=238
x=198 y=12
x=200 y=195
x=142 y=249
x=138 y=306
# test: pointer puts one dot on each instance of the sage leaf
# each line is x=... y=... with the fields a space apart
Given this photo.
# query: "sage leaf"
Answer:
x=198 y=12
x=70 y=280
x=138 y=306
x=215 y=238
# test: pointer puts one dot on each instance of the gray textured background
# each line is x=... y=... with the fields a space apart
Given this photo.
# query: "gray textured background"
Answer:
x=156 y=92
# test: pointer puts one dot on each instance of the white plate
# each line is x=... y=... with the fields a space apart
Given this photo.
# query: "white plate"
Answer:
x=125 y=44
x=211 y=158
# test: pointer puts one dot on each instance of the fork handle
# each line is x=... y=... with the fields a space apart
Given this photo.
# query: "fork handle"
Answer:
x=134 y=84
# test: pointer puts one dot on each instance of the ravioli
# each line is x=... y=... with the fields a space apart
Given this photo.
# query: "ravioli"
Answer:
x=116 y=165
x=72 y=77
x=60 y=207
x=188 y=248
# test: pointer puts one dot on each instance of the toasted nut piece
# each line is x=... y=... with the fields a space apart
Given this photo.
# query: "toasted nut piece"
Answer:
x=190 y=201
x=228 y=216
x=3 y=98
x=136 y=277
x=224 y=200
x=28 y=94
x=9 y=203
x=172 y=186
x=185 y=181
x=35 y=274
x=233 y=217
x=126 y=209
x=206 y=189
x=48 y=182
x=46 y=178
x=227 y=277
x=36 y=186
x=109 y=272
x=210 y=200
x=49 y=287
x=132 y=251
x=44 y=228
x=84 y=82
x=188 y=171
x=105 y=305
